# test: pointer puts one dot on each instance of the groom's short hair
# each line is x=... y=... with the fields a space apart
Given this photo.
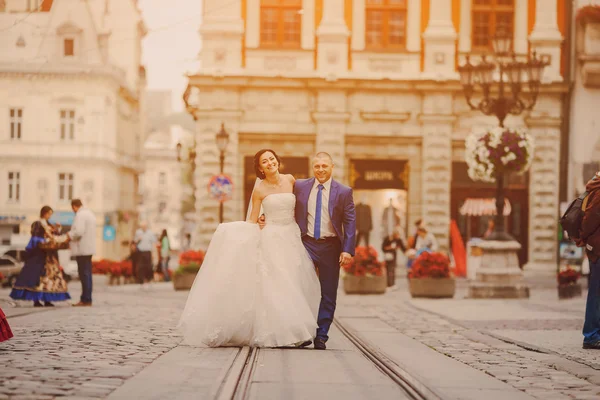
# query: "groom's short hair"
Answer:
x=323 y=154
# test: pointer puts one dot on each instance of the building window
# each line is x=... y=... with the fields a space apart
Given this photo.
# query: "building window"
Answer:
x=16 y=122
x=162 y=179
x=385 y=26
x=67 y=124
x=65 y=186
x=280 y=23
x=14 y=186
x=69 y=47
x=489 y=18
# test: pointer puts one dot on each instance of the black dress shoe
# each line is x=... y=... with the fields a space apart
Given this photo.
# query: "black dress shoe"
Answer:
x=592 y=345
x=305 y=344
x=320 y=344
x=37 y=304
x=48 y=304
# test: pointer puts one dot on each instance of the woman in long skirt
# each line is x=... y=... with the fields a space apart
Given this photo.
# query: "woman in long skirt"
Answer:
x=5 y=332
x=41 y=278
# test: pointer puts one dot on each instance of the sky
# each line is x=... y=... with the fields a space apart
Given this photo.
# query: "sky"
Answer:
x=170 y=49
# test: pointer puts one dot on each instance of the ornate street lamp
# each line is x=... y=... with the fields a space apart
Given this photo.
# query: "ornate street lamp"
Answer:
x=222 y=139
x=496 y=99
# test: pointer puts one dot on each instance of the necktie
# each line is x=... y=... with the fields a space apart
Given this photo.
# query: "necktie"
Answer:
x=318 y=212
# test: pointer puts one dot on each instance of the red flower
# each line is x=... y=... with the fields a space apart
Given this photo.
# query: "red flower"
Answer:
x=364 y=263
x=430 y=265
x=567 y=276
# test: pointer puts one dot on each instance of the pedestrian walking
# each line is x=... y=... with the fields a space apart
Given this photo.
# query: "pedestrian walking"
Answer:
x=5 y=332
x=390 y=247
x=145 y=241
x=590 y=238
x=41 y=278
x=83 y=247
x=165 y=251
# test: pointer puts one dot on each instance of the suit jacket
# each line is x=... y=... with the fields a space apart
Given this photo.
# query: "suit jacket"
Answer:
x=341 y=211
x=364 y=219
x=83 y=233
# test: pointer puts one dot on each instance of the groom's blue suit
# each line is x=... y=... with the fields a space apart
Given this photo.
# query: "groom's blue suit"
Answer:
x=325 y=253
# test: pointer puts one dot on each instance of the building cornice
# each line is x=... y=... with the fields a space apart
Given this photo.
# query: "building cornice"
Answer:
x=347 y=84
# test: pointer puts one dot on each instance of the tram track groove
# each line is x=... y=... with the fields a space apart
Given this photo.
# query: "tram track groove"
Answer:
x=415 y=389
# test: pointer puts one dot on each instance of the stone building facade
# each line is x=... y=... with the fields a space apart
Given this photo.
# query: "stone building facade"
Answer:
x=374 y=83
x=71 y=120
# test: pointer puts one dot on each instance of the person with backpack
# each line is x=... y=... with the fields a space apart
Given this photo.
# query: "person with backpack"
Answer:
x=589 y=237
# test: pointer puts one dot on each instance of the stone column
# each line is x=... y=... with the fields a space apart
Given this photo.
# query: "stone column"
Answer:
x=330 y=123
x=332 y=55
x=543 y=195
x=440 y=38
x=222 y=31
x=437 y=122
x=546 y=38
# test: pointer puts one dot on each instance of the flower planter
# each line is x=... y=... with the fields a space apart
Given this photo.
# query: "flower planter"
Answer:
x=436 y=288
x=365 y=284
x=569 y=291
x=183 y=281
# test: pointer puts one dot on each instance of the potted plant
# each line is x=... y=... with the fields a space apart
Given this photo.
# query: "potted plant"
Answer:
x=189 y=264
x=430 y=277
x=364 y=274
x=568 y=285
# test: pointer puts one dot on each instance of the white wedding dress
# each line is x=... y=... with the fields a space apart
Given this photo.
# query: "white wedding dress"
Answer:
x=255 y=287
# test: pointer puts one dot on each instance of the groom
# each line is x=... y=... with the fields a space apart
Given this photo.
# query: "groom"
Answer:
x=326 y=217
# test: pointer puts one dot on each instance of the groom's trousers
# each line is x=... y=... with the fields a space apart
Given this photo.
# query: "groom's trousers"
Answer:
x=325 y=253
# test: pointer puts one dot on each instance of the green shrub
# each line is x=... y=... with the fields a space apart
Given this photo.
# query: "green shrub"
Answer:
x=191 y=268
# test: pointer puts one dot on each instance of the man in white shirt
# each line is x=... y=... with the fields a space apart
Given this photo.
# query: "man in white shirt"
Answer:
x=83 y=247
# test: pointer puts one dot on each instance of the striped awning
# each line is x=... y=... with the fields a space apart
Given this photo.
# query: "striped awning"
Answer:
x=483 y=207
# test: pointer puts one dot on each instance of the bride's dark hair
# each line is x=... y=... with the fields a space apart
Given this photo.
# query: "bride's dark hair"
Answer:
x=257 y=171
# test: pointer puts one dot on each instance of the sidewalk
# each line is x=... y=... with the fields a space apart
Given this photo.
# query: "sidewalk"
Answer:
x=469 y=330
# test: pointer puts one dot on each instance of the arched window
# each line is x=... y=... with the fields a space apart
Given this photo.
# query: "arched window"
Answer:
x=280 y=23
x=491 y=17
x=385 y=25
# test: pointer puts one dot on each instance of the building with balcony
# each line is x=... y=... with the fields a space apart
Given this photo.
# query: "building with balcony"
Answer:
x=71 y=113
x=375 y=84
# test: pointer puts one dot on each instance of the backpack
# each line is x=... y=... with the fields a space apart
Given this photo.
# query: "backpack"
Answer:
x=573 y=217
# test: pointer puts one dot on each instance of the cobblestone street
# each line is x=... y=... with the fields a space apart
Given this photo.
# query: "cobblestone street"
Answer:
x=534 y=345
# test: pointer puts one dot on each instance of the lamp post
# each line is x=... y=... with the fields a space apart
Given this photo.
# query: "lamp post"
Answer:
x=502 y=97
x=222 y=139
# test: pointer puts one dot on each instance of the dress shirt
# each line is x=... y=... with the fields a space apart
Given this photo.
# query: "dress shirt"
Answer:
x=326 y=225
x=146 y=240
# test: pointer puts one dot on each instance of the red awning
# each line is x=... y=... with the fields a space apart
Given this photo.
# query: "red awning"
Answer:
x=483 y=207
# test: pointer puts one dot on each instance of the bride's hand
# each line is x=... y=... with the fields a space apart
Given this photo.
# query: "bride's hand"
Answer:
x=261 y=221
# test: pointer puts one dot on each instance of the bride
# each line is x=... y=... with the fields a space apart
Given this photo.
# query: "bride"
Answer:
x=256 y=287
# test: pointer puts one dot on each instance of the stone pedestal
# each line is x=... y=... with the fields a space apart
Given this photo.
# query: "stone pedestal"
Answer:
x=499 y=276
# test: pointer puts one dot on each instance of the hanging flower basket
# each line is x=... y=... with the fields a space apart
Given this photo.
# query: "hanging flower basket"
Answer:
x=498 y=151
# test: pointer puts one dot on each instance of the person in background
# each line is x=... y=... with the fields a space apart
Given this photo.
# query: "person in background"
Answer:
x=83 y=247
x=490 y=228
x=5 y=332
x=390 y=245
x=425 y=240
x=165 y=250
x=145 y=241
x=413 y=239
x=589 y=238
x=41 y=278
